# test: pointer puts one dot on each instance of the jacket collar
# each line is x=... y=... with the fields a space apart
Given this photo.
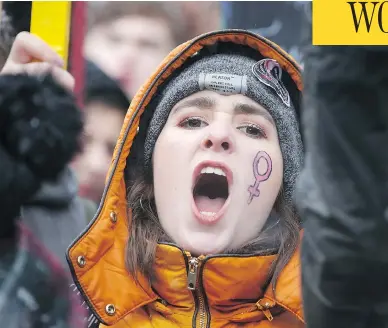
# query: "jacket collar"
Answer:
x=228 y=281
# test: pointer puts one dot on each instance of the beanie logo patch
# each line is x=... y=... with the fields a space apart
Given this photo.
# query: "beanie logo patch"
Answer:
x=269 y=72
x=225 y=84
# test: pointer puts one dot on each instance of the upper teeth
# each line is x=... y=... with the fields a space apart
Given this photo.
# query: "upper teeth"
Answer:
x=215 y=170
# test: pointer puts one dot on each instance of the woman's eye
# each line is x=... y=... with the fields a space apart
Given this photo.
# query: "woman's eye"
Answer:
x=253 y=131
x=193 y=123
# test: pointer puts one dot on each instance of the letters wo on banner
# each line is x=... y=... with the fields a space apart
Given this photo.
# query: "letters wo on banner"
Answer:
x=341 y=22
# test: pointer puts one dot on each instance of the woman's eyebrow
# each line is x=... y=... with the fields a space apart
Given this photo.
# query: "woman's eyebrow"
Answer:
x=198 y=102
x=248 y=109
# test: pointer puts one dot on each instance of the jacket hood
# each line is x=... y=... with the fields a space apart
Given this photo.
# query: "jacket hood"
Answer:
x=97 y=257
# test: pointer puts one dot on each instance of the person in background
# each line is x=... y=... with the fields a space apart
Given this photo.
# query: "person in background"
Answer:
x=40 y=128
x=342 y=193
x=202 y=16
x=128 y=39
x=105 y=106
x=7 y=37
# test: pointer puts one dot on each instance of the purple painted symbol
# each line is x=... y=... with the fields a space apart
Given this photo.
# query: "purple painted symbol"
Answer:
x=254 y=189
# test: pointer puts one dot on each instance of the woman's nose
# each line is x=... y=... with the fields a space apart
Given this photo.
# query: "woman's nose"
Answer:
x=219 y=140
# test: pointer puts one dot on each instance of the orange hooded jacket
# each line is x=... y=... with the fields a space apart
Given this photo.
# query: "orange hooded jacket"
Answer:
x=228 y=294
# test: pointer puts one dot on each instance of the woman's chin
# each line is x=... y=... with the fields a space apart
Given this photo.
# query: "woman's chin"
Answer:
x=204 y=245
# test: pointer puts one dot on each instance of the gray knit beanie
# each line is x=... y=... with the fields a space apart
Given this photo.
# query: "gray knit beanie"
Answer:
x=236 y=74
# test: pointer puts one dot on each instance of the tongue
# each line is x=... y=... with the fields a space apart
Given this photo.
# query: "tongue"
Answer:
x=205 y=204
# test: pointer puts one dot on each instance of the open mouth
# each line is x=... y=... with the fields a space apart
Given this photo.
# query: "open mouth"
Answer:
x=210 y=193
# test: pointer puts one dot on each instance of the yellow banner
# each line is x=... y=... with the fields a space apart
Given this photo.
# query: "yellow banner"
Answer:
x=51 y=21
x=341 y=22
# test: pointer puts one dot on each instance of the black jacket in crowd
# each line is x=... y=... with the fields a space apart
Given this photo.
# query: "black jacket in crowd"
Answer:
x=342 y=193
x=40 y=128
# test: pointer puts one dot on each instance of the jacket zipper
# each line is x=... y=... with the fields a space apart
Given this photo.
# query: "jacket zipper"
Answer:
x=201 y=314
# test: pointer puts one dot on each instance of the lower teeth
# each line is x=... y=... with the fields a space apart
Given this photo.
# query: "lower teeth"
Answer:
x=208 y=213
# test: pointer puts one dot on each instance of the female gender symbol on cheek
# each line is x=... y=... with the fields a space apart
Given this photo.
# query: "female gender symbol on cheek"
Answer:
x=254 y=189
